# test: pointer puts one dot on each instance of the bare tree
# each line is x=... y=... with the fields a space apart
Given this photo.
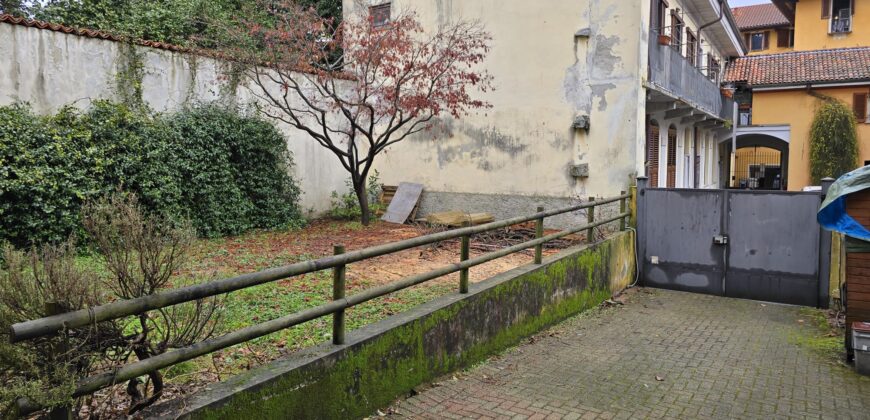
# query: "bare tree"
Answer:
x=359 y=86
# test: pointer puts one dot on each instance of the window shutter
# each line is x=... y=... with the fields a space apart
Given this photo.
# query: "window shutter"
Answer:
x=852 y=5
x=859 y=106
x=826 y=9
x=782 y=37
x=766 y=40
x=748 y=38
x=653 y=154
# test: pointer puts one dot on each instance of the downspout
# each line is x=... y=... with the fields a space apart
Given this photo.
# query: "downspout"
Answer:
x=734 y=117
x=712 y=22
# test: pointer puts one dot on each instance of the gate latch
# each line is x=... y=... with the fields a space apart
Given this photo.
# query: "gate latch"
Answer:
x=720 y=240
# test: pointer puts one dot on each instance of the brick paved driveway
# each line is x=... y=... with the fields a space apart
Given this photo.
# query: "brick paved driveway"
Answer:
x=716 y=358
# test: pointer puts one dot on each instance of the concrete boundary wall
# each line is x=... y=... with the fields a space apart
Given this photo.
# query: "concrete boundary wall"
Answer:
x=386 y=360
x=50 y=69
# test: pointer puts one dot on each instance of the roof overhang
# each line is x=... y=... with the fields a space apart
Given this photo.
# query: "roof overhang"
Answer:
x=787 y=7
x=811 y=85
x=723 y=32
x=758 y=135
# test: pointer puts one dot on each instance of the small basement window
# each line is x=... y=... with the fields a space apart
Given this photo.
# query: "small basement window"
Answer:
x=381 y=14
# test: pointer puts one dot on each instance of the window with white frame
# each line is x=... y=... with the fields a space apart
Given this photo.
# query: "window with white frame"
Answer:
x=839 y=14
x=758 y=41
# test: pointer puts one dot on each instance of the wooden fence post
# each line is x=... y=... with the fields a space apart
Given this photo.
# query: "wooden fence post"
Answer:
x=622 y=211
x=338 y=286
x=590 y=218
x=463 y=255
x=539 y=233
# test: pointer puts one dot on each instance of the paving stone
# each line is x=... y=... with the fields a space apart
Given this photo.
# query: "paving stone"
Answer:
x=718 y=358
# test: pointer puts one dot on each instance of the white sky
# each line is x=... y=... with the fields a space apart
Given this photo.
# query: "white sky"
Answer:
x=736 y=3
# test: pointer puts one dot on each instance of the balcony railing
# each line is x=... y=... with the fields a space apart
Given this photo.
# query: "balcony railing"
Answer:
x=673 y=74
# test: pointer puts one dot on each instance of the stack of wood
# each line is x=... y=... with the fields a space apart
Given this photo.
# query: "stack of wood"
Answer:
x=458 y=218
x=386 y=197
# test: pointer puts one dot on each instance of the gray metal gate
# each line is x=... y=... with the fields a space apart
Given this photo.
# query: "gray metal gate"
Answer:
x=762 y=245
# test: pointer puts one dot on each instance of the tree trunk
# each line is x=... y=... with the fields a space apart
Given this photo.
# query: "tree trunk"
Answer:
x=362 y=196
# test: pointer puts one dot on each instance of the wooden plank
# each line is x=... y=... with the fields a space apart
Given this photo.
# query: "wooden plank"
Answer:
x=858 y=305
x=858 y=255
x=857 y=263
x=858 y=287
x=858 y=208
x=856 y=296
x=856 y=272
x=858 y=314
x=403 y=203
x=457 y=218
x=857 y=279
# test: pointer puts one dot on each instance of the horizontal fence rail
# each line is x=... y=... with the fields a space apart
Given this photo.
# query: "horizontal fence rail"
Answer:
x=53 y=324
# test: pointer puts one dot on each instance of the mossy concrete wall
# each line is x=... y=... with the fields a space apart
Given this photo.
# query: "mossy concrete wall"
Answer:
x=384 y=361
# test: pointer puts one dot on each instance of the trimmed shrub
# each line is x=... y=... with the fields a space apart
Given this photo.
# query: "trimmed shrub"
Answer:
x=225 y=171
x=833 y=141
x=235 y=171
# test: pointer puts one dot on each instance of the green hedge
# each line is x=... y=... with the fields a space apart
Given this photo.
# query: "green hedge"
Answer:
x=225 y=171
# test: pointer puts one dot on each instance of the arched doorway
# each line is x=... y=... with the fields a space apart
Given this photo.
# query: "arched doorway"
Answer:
x=761 y=162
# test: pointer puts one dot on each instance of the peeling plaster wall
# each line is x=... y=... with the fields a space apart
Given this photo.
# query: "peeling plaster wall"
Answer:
x=51 y=69
x=545 y=76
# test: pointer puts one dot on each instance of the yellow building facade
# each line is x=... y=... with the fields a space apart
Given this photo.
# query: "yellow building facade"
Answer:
x=779 y=92
x=797 y=107
x=819 y=25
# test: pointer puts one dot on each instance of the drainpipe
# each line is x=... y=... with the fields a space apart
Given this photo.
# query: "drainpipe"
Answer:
x=734 y=117
x=712 y=22
x=733 y=180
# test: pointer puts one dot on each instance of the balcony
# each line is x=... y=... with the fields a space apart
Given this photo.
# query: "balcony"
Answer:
x=671 y=74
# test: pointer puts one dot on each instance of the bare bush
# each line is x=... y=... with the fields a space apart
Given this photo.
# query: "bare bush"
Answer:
x=35 y=284
x=141 y=253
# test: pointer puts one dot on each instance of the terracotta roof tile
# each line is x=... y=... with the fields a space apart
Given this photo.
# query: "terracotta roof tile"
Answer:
x=89 y=33
x=759 y=16
x=819 y=66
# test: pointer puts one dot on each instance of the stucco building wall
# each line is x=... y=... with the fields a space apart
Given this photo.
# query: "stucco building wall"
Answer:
x=812 y=30
x=550 y=64
x=51 y=69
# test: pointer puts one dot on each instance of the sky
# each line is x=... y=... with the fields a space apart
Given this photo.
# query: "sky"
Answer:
x=736 y=3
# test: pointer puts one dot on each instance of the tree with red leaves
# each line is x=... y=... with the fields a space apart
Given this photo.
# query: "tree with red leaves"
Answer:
x=359 y=86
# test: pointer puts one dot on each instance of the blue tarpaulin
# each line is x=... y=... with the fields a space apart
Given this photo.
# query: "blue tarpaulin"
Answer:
x=832 y=215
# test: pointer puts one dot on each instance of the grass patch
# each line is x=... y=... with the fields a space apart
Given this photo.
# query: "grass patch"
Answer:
x=226 y=257
x=817 y=335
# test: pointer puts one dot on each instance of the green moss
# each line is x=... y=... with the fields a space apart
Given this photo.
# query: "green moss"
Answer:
x=371 y=375
x=816 y=335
